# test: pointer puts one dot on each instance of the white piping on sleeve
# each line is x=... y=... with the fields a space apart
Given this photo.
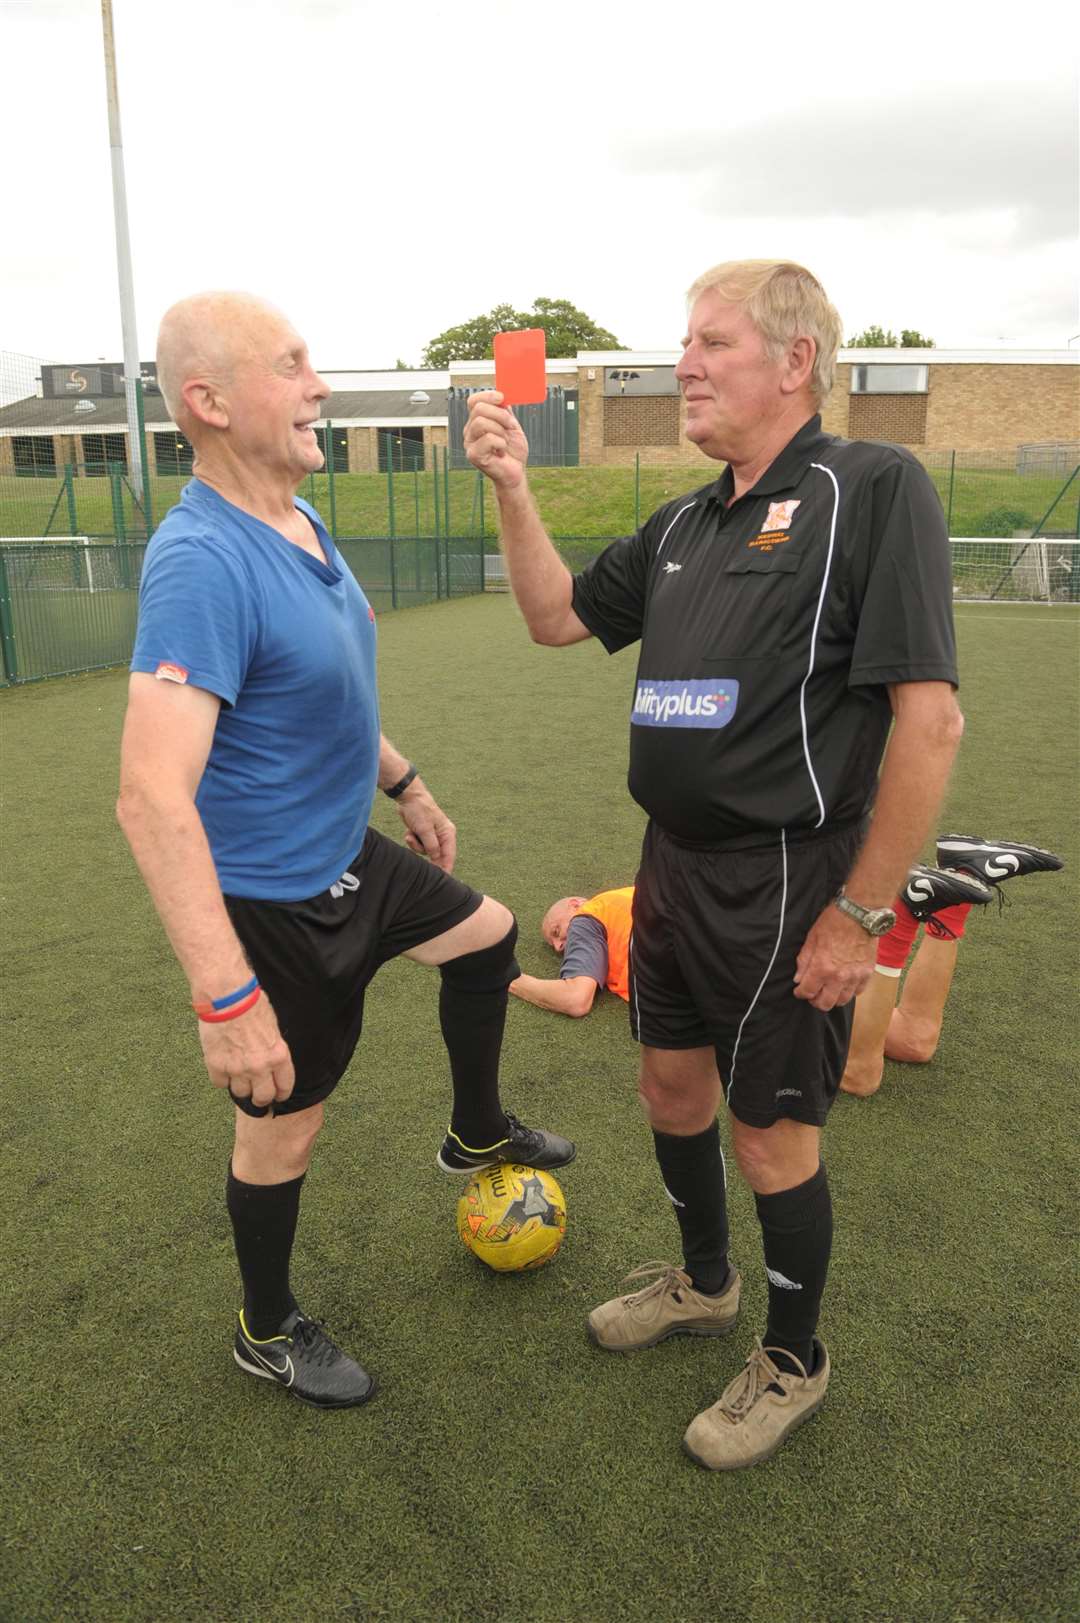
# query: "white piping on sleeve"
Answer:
x=813 y=639
x=772 y=960
x=672 y=525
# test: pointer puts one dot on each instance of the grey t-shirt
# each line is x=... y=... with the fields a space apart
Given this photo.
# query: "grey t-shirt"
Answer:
x=586 y=950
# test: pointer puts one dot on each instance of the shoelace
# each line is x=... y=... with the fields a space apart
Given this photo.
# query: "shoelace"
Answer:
x=1002 y=900
x=756 y=1379
x=348 y=881
x=524 y=1135
x=313 y=1339
x=664 y=1278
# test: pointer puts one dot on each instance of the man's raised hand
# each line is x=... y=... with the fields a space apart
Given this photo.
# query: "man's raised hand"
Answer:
x=494 y=441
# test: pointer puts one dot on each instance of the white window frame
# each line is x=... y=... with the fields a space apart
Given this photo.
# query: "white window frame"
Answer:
x=861 y=368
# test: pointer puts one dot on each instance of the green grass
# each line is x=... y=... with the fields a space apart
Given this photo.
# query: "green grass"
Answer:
x=507 y=1469
x=574 y=502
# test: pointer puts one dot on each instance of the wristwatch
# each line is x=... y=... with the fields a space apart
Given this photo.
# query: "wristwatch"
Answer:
x=401 y=785
x=874 y=920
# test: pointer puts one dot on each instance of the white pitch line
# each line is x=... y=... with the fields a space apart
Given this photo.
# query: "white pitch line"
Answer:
x=1028 y=619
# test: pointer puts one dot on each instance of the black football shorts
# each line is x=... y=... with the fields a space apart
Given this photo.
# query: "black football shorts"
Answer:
x=716 y=934
x=315 y=958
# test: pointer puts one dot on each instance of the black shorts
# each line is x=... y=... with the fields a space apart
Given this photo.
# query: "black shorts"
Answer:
x=712 y=964
x=315 y=958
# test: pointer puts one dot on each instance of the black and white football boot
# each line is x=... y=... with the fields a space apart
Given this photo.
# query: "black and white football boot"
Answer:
x=523 y=1146
x=994 y=860
x=303 y=1359
x=927 y=890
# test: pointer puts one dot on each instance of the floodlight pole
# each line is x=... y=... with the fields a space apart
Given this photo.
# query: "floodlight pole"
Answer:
x=132 y=365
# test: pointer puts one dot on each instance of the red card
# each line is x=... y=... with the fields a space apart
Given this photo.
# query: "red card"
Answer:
x=519 y=367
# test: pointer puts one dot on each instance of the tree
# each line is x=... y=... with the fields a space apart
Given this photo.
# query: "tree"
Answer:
x=568 y=329
x=402 y=366
x=876 y=337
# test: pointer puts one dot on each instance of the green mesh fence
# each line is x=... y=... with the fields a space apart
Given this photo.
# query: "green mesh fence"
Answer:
x=71 y=606
x=71 y=465
x=66 y=608
x=417 y=528
x=983 y=494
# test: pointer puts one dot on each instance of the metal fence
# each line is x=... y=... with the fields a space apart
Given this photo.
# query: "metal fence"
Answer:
x=67 y=469
x=417 y=494
x=70 y=606
x=423 y=527
x=425 y=494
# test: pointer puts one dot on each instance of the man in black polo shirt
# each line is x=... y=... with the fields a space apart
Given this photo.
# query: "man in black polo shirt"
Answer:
x=788 y=614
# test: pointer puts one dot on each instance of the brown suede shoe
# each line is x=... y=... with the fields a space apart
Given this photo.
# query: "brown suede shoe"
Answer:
x=668 y=1307
x=756 y=1411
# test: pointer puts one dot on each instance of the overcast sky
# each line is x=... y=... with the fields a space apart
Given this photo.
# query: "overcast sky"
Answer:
x=383 y=171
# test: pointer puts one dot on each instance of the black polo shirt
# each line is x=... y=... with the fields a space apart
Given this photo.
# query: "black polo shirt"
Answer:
x=769 y=630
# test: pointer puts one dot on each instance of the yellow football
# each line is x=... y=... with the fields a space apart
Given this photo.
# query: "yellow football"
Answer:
x=512 y=1217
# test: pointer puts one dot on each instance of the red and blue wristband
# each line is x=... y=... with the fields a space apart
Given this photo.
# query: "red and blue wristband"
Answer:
x=230 y=1006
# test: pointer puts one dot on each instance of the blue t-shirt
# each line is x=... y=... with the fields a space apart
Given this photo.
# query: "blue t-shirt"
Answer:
x=288 y=645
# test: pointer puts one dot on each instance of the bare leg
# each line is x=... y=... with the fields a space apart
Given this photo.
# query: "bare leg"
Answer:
x=481 y=929
x=775 y=1158
x=679 y=1089
x=915 y=1027
x=874 y=1009
x=274 y=1149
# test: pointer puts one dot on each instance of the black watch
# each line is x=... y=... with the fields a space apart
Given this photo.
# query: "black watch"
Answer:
x=401 y=785
x=874 y=920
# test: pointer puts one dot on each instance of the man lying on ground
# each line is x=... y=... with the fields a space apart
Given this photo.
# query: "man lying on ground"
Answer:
x=593 y=937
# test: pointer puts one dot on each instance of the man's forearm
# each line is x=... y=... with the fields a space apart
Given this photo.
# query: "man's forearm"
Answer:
x=573 y=996
x=539 y=580
x=392 y=764
x=914 y=776
x=170 y=847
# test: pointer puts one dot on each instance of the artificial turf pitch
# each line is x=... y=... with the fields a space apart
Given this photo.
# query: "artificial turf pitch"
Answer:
x=507 y=1469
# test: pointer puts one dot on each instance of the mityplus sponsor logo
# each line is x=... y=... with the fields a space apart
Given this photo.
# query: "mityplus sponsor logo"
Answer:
x=707 y=703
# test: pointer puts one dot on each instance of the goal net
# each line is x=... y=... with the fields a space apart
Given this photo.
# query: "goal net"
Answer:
x=1042 y=570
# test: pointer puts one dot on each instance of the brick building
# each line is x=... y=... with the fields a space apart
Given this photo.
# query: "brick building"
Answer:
x=621 y=404
x=932 y=400
x=628 y=402
x=78 y=416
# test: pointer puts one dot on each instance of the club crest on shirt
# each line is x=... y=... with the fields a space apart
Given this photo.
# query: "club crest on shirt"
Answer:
x=777 y=522
x=780 y=515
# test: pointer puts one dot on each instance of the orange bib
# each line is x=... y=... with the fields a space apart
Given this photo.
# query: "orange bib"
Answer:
x=612 y=908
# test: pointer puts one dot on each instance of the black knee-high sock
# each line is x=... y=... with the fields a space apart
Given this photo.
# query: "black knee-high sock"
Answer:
x=693 y=1172
x=264 y=1222
x=472 y=1013
x=797 y=1227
